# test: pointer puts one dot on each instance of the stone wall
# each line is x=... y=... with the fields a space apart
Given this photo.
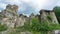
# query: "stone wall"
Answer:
x=10 y=17
x=48 y=15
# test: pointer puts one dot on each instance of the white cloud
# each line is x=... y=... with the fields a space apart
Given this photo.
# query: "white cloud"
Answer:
x=40 y=4
x=2 y=5
x=37 y=4
x=58 y=3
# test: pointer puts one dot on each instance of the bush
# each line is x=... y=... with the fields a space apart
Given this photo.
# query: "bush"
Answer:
x=57 y=12
x=54 y=27
x=3 y=27
x=43 y=27
x=35 y=24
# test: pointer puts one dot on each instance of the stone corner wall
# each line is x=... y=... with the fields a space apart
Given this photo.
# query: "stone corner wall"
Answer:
x=45 y=13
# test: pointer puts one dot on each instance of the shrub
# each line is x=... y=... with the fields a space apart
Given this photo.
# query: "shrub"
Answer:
x=43 y=27
x=3 y=27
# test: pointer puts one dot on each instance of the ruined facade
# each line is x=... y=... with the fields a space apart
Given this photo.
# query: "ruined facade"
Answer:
x=10 y=17
x=48 y=15
x=21 y=20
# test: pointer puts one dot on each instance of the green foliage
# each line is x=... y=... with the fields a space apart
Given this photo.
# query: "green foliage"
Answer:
x=34 y=32
x=35 y=24
x=57 y=12
x=42 y=28
x=35 y=20
x=3 y=27
x=49 y=18
x=54 y=27
x=27 y=26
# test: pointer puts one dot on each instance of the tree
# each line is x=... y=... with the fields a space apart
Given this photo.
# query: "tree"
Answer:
x=57 y=12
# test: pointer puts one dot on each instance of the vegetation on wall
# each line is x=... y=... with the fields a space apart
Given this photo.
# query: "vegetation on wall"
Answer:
x=43 y=27
x=36 y=26
x=49 y=18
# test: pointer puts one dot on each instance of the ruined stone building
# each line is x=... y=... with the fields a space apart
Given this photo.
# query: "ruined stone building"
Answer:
x=10 y=17
x=48 y=15
x=21 y=20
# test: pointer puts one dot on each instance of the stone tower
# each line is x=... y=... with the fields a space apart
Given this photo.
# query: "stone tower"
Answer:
x=48 y=15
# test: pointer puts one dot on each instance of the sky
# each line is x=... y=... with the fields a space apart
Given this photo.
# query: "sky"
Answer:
x=30 y=6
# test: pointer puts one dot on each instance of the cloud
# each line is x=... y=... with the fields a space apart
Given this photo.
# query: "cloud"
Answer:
x=29 y=6
x=2 y=6
x=40 y=4
x=26 y=9
x=58 y=3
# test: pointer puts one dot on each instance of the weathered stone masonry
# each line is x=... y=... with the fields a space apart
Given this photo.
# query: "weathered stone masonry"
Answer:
x=48 y=15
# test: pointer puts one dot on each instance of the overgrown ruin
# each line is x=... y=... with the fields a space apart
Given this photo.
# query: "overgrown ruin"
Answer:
x=10 y=17
x=49 y=16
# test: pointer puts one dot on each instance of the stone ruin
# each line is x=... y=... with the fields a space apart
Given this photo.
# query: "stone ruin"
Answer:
x=10 y=17
x=49 y=16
